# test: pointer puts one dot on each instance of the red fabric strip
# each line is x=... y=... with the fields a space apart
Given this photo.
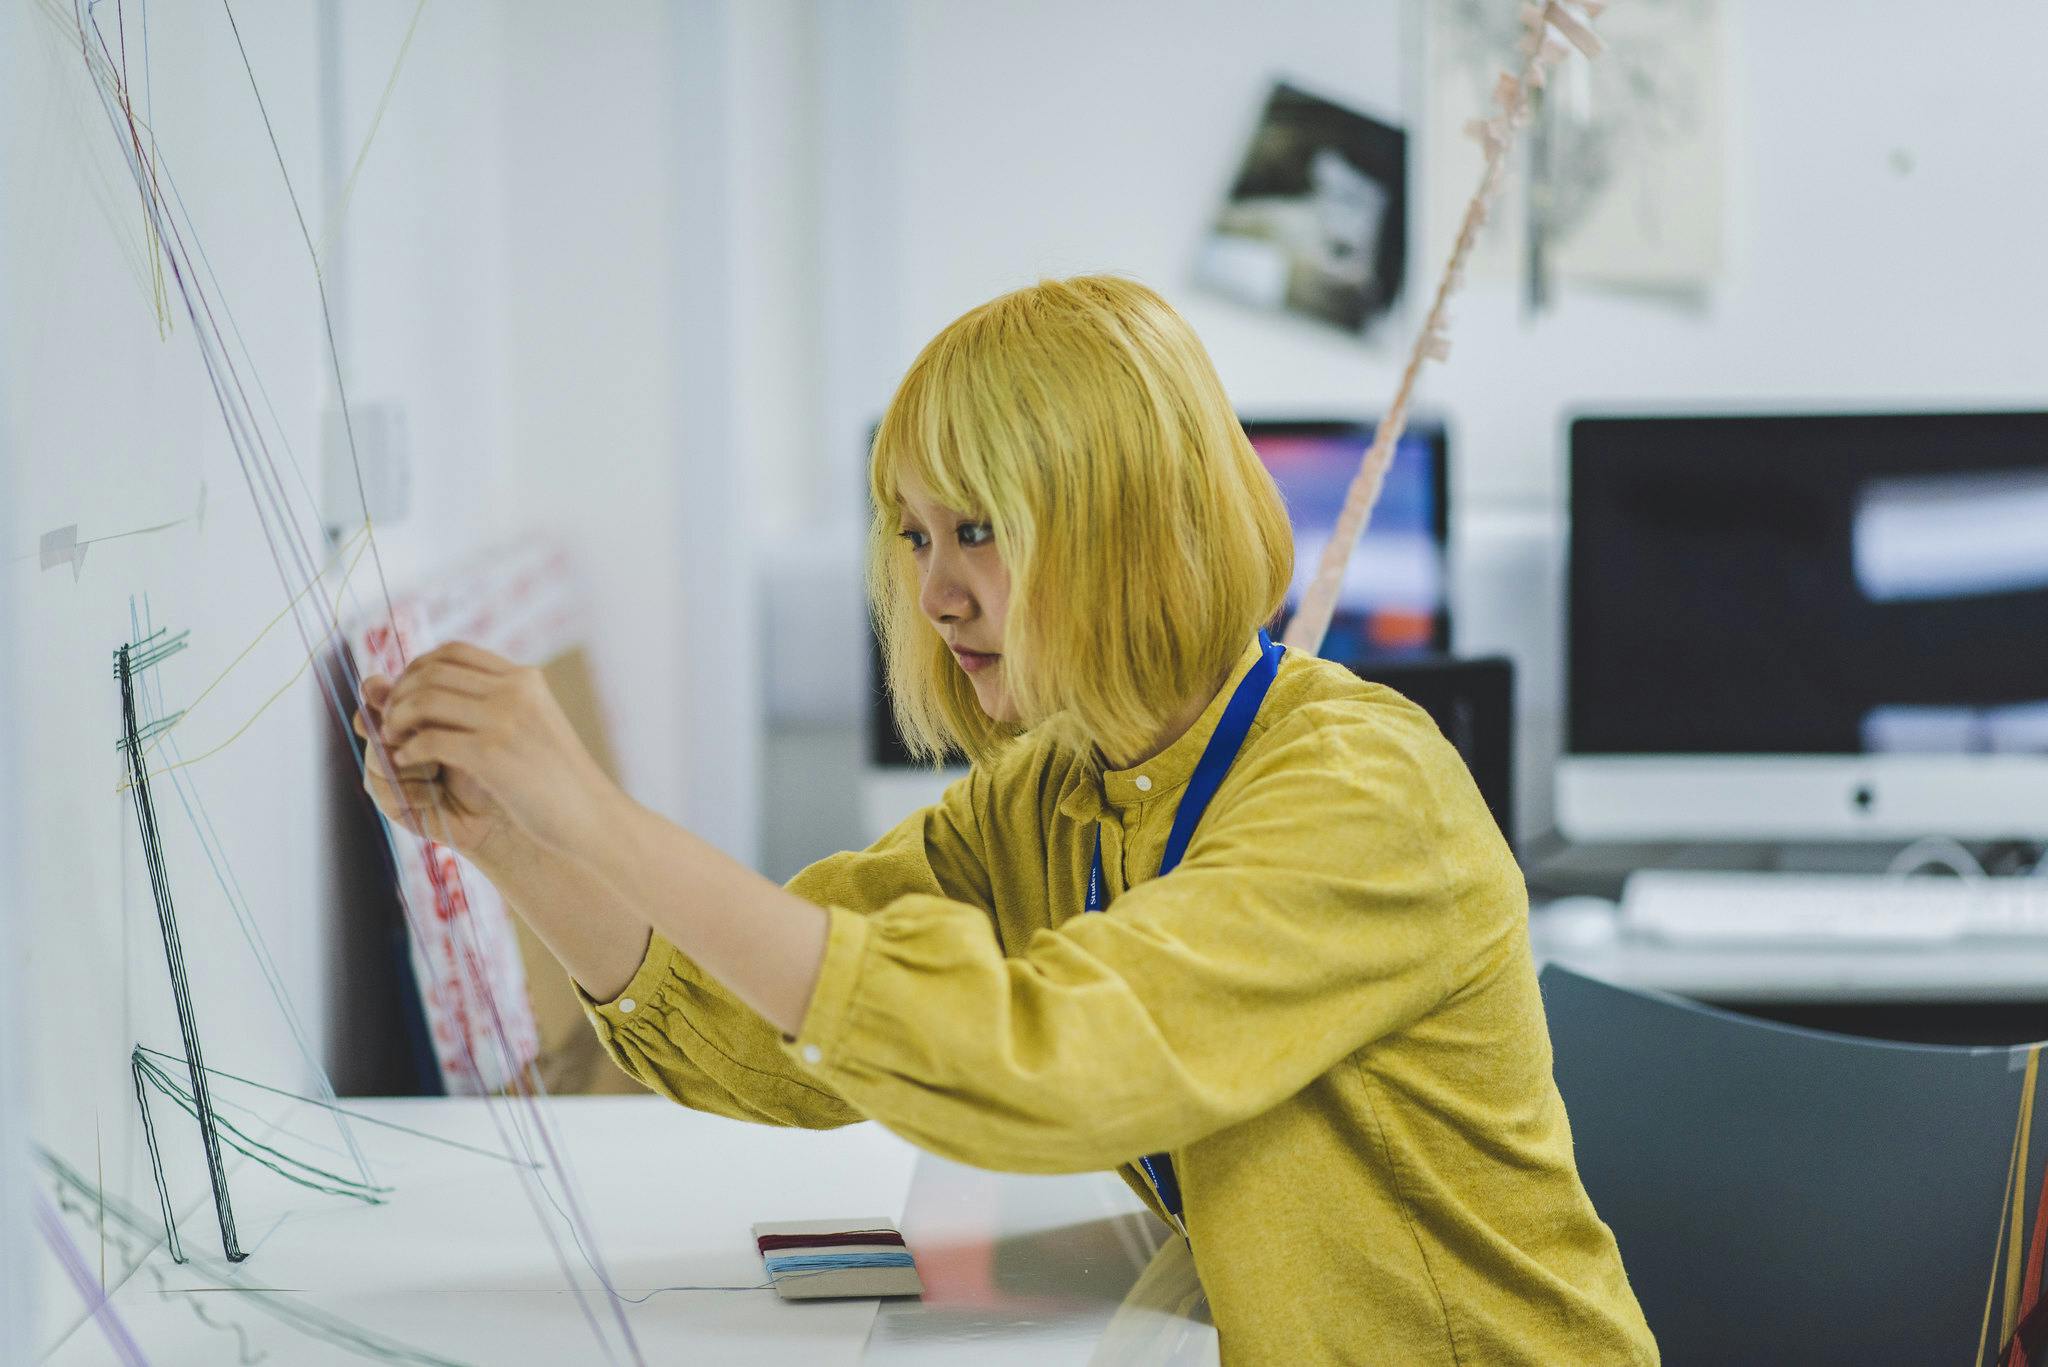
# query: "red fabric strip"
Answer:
x=2027 y=1334
x=775 y=1243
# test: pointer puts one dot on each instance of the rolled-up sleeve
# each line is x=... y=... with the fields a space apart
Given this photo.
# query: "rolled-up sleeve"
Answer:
x=684 y=1035
x=1311 y=916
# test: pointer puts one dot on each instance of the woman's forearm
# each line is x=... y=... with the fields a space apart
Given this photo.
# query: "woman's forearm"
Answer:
x=764 y=943
x=583 y=922
x=482 y=743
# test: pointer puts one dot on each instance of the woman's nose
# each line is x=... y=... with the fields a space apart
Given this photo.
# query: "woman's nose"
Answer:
x=943 y=597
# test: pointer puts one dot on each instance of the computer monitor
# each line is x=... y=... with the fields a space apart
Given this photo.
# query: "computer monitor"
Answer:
x=1393 y=605
x=1807 y=628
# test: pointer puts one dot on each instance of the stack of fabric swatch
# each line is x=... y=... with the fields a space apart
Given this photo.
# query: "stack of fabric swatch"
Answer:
x=812 y=1259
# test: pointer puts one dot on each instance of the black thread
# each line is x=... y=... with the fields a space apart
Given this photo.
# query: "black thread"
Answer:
x=143 y=654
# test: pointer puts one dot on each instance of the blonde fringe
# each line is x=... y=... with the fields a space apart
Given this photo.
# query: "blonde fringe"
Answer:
x=1145 y=542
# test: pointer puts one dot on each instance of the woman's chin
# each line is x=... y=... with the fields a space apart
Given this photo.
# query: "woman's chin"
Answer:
x=995 y=701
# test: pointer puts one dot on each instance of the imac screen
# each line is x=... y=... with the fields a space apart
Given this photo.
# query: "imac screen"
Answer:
x=1870 y=584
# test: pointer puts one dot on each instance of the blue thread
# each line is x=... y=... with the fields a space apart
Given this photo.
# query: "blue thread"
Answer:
x=833 y=1262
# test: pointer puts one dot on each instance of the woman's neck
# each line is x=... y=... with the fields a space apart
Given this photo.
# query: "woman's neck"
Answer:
x=1176 y=725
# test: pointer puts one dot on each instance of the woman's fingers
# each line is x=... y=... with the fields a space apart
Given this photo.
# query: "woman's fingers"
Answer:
x=435 y=747
x=468 y=733
x=433 y=705
x=455 y=667
x=418 y=804
x=437 y=676
x=403 y=803
x=372 y=760
x=463 y=655
x=414 y=773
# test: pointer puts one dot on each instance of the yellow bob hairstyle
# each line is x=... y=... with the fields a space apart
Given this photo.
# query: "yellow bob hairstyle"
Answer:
x=1083 y=420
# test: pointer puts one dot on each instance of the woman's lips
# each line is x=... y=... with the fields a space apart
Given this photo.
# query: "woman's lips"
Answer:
x=973 y=661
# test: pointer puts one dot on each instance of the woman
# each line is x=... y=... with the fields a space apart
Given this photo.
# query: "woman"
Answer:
x=1315 y=1045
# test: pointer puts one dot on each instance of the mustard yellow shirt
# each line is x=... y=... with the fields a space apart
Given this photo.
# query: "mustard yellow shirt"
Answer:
x=1327 y=1015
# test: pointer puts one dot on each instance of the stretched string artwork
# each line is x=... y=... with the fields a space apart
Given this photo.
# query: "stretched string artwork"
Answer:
x=289 y=525
x=230 y=888
x=1550 y=30
x=149 y=1074
x=115 y=1330
x=128 y=660
x=135 y=663
x=161 y=735
x=128 y=1229
x=334 y=1107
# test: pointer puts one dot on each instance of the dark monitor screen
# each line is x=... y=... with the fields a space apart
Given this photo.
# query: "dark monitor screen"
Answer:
x=1865 y=584
x=1393 y=606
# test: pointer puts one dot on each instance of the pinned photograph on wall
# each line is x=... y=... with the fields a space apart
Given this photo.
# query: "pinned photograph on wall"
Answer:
x=1317 y=220
x=1621 y=188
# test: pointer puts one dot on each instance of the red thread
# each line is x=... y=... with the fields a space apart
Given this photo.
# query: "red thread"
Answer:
x=771 y=1243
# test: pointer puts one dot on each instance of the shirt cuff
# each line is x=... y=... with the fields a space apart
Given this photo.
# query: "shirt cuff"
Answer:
x=652 y=978
x=822 y=1039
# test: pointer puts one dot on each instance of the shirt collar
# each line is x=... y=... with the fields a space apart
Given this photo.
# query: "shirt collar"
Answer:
x=1167 y=772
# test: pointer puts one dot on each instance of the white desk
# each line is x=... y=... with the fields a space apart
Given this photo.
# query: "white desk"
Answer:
x=455 y=1266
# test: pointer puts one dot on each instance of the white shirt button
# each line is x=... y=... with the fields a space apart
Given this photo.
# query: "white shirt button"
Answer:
x=812 y=1053
x=1144 y=784
x=626 y=1004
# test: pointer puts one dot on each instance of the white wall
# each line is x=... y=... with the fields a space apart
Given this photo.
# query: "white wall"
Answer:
x=539 y=269
x=18 y=1275
x=536 y=267
x=109 y=424
x=1017 y=141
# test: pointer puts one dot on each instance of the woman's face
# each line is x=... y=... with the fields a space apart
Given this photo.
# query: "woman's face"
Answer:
x=963 y=589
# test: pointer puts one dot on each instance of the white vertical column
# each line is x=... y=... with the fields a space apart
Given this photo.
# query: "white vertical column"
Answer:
x=17 y=1268
x=859 y=240
x=718 y=687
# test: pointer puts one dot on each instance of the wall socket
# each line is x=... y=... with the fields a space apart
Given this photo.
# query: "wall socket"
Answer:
x=382 y=454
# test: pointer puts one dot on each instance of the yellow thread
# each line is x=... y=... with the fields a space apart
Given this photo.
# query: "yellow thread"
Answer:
x=159 y=297
x=153 y=234
x=268 y=627
x=1997 y=1247
x=348 y=187
x=305 y=664
x=71 y=36
x=2016 y=1236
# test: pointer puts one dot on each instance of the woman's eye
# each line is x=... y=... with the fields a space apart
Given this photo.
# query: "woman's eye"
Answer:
x=916 y=539
x=976 y=534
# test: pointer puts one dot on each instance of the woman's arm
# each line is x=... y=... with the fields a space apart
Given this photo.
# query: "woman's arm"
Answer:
x=597 y=911
x=584 y=924
x=471 y=749
x=1326 y=900
x=761 y=941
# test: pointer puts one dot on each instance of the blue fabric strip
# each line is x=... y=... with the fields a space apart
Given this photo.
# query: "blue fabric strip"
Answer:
x=1222 y=750
x=1217 y=757
x=832 y=1262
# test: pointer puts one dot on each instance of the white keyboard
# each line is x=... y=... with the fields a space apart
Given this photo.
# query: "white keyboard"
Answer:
x=1779 y=908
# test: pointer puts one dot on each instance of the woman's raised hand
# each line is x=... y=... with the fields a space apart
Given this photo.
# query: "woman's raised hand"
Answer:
x=483 y=756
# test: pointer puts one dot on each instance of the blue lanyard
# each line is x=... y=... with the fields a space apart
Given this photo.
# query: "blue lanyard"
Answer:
x=1216 y=760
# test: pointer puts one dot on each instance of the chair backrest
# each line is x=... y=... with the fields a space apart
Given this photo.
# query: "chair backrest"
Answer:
x=1790 y=1195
